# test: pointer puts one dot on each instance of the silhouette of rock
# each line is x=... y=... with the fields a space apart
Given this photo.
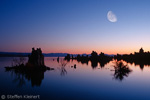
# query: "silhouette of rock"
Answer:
x=36 y=58
x=34 y=69
x=67 y=57
x=138 y=58
x=94 y=58
x=74 y=66
x=141 y=51
x=58 y=59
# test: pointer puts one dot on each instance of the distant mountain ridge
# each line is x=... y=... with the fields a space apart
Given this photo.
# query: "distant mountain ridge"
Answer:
x=55 y=54
x=16 y=54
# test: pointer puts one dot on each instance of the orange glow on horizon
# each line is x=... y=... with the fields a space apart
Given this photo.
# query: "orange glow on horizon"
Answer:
x=82 y=50
x=90 y=51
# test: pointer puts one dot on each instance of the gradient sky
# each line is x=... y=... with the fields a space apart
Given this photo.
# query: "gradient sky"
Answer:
x=74 y=26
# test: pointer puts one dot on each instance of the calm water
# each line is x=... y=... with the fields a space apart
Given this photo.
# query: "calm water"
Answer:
x=82 y=82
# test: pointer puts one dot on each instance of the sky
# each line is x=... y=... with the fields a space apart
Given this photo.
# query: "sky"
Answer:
x=74 y=26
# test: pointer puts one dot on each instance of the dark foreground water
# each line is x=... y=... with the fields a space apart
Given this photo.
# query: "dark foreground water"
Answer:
x=80 y=82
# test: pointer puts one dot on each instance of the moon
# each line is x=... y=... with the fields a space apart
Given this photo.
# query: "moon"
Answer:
x=111 y=16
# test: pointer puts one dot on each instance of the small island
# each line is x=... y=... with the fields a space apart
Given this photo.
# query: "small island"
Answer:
x=33 y=70
x=35 y=63
x=94 y=58
x=138 y=58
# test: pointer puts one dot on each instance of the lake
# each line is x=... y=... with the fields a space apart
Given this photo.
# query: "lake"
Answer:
x=74 y=80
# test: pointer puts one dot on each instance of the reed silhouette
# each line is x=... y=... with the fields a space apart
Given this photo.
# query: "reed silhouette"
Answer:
x=121 y=70
x=62 y=68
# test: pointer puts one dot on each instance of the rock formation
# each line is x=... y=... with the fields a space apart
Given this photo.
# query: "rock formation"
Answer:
x=36 y=58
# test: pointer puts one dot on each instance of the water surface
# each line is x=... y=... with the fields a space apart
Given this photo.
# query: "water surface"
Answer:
x=77 y=83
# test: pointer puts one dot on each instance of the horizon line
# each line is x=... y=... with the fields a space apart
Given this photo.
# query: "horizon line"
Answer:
x=65 y=53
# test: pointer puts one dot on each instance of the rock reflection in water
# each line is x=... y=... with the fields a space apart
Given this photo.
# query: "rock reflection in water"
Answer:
x=33 y=70
x=35 y=77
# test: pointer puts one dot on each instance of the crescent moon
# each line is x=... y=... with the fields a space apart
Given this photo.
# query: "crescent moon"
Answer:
x=111 y=16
